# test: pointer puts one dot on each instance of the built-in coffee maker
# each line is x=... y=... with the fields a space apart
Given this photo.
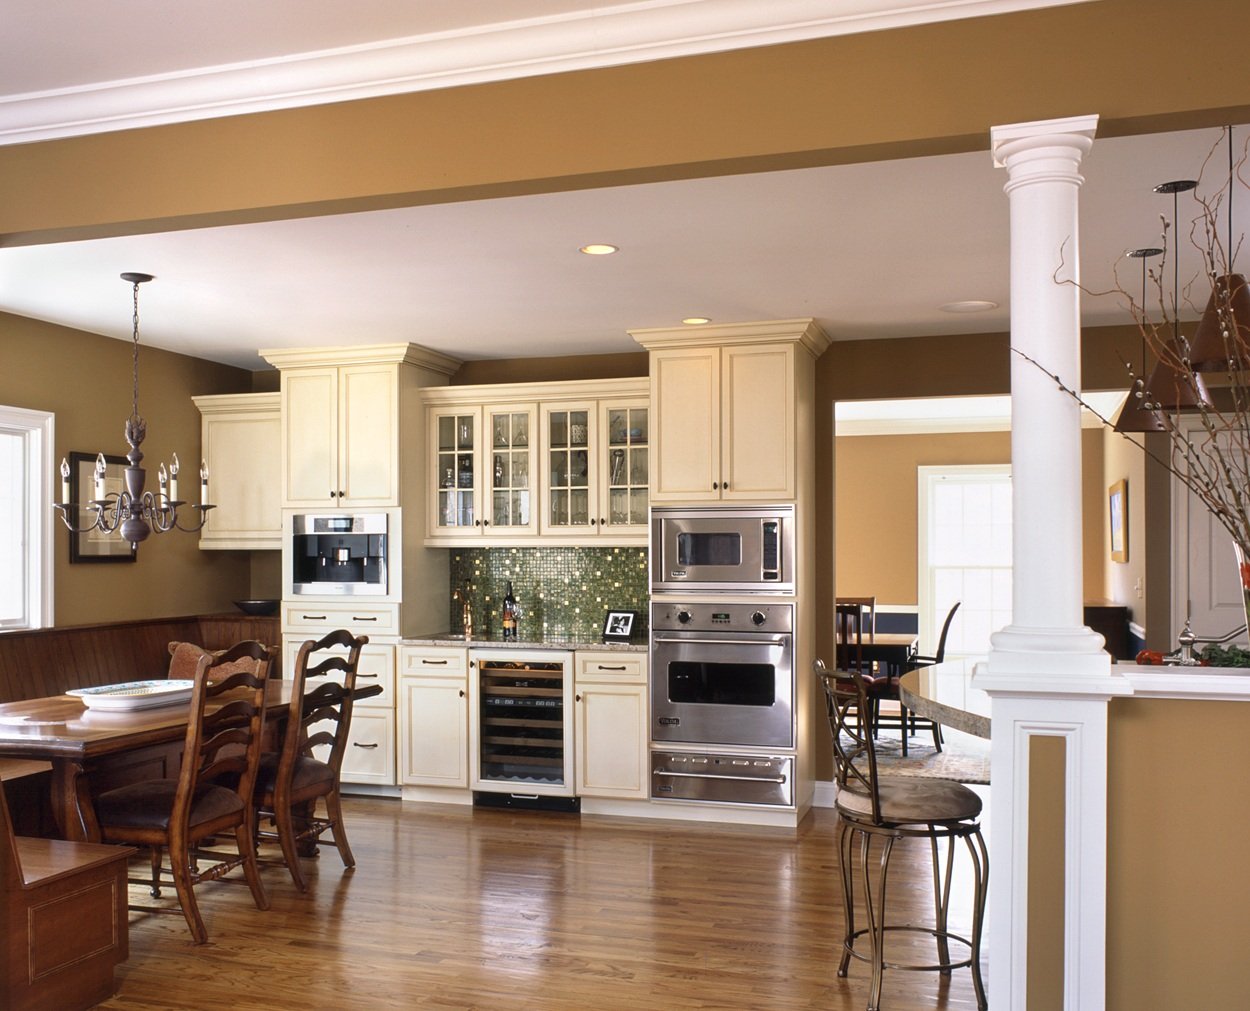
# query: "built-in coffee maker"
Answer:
x=335 y=555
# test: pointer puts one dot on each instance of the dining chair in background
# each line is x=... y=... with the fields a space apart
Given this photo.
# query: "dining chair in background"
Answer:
x=291 y=781
x=212 y=795
x=885 y=810
x=867 y=612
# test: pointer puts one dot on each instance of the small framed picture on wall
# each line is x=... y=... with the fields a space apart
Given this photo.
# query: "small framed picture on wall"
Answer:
x=1117 y=504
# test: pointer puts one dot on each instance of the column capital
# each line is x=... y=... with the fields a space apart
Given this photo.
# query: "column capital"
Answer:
x=1075 y=133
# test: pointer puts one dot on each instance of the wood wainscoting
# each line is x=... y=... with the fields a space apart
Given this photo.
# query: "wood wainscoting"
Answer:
x=453 y=907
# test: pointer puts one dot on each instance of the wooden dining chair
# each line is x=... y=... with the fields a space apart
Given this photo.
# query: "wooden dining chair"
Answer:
x=885 y=810
x=212 y=795
x=291 y=781
x=867 y=612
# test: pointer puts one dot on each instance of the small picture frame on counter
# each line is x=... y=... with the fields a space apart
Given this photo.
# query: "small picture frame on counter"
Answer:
x=618 y=626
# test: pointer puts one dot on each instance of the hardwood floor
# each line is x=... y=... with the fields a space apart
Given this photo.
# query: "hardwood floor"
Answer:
x=487 y=909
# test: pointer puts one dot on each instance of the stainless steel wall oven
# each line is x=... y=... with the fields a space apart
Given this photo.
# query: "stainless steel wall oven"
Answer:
x=722 y=675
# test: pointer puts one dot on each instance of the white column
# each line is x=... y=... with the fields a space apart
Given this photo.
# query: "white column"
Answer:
x=1042 y=160
x=1047 y=672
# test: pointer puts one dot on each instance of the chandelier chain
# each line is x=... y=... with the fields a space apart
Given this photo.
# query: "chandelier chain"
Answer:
x=134 y=410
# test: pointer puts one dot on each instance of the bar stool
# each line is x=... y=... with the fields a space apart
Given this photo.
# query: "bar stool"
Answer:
x=893 y=808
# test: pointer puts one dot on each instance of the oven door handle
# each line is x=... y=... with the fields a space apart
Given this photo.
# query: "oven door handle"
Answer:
x=771 y=641
x=717 y=775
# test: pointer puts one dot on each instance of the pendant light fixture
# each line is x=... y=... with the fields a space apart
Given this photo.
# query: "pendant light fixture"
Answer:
x=1222 y=341
x=1173 y=385
x=1138 y=413
x=133 y=511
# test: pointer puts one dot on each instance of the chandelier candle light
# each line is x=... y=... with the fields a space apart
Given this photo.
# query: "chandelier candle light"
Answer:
x=133 y=511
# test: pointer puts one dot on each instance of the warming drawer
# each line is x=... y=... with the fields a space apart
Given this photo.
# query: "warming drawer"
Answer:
x=756 y=780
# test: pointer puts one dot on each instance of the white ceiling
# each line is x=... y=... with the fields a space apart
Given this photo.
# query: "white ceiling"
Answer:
x=871 y=250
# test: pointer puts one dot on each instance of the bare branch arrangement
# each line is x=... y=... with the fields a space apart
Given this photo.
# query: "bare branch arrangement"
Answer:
x=1208 y=432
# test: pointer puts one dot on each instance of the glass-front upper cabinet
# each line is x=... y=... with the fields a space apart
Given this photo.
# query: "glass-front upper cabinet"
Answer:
x=569 y=438
x=623 y=484
x=456 y=470
x=511 y=462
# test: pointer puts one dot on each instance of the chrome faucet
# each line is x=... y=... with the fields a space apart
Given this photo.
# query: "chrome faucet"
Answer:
x=466 y=610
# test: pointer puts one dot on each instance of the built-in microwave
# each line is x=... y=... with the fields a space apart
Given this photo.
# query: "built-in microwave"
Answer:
x=723 y=549
x=339 y=554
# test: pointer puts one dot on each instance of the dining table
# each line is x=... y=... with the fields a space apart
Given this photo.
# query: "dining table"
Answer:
x=889 y=649
x=946 y=694
x=76 y=739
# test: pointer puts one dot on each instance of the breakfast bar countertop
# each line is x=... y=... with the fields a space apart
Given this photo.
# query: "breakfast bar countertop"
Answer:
x=551 y=642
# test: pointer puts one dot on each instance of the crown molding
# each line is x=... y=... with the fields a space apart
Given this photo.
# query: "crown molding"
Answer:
x=605 y=36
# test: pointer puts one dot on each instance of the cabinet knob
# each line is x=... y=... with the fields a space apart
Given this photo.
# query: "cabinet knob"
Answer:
x=485 y=523
x=724 y=486
x=715 y=485
x=603 y=522
x=578 y=698
x=331 y=493
x=477 y=523
x=462 y=693
x=592 y=521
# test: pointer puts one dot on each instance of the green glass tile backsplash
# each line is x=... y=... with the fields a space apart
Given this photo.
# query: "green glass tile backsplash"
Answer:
x=564 y=593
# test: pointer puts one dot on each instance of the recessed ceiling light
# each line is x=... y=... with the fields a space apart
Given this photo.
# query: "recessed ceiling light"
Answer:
x=599 y=249
x=696 y=320
x=969 y=305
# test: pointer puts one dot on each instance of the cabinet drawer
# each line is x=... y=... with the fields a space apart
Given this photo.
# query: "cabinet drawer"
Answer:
x=370 y=754
x=433 y=661
x=316 y=617
x=377 y=667
x=612 y=668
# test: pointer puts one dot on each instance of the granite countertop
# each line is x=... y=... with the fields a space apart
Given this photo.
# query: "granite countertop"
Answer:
x=484 y=642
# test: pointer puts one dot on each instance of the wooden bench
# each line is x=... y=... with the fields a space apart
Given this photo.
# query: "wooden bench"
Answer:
x=49 y=661
x=64 y=920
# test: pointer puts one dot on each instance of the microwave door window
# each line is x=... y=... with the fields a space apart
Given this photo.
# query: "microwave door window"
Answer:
x=720 y=549
x=723 y=684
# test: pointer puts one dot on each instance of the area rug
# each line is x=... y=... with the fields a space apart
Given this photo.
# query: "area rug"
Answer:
x=963 y=758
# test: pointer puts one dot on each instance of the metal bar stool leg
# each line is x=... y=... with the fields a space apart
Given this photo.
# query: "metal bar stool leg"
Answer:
x=846 y=851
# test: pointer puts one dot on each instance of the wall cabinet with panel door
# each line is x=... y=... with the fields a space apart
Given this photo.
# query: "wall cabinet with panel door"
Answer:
x=727 y=409
x=343 y=421
x=241 y=440
x=433 y=716
x=611 y=725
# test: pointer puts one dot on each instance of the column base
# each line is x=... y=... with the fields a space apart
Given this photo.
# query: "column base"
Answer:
x=1066 y=652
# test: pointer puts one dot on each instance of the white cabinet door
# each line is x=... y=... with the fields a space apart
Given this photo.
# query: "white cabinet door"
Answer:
x=455 y=510
x=368 y=433
x=310 y=437
x=624 y=460
x=758 y=422
x=433 y=731
x=509 y=469
x=242 y=445
x=570 y=500
x=685 y=416
x=611 y=735
x=370 y=755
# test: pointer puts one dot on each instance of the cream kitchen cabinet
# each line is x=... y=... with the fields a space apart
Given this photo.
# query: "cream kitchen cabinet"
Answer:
x=433 y=716
x=348 y=416
x=241 y=439
x=727 y=412
x=533 y=462
x=370 y=754
x=595 y=456
x=611 y=724
x=483 y=471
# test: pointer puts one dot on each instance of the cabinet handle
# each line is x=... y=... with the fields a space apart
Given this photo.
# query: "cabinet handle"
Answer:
x=724 y=486
x=313 y=617
x=600 y=666
x=331 y=493
x=359 y=676
x=367 y=747
x=477 y=523
x=462 y=693
x=715 y=485
x=485 y=523
x=356 y=617
x=578 y=698
x=435 y=663
x=340 y=494
x=603 y=522
x=592 y=521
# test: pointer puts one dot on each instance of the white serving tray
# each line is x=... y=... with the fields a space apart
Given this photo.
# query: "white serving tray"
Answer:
x=134 y=694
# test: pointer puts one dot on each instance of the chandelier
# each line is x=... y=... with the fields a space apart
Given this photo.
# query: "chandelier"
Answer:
x=133 y=511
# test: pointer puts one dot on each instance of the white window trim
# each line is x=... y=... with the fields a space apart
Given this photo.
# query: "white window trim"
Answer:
x=39 y=429
x=928 y=627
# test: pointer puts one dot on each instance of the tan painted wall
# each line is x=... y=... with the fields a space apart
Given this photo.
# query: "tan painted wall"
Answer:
x=877 y=506
x=1178 y=879
x=86 y=381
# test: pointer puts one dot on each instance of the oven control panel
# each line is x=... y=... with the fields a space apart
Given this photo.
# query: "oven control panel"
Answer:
x=701 y=616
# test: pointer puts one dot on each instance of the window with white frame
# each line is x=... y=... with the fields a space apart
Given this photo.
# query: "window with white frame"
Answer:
x=965 y=555
x=25 y=518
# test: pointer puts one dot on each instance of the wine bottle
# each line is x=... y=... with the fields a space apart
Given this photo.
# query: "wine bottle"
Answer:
x=510 y=612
